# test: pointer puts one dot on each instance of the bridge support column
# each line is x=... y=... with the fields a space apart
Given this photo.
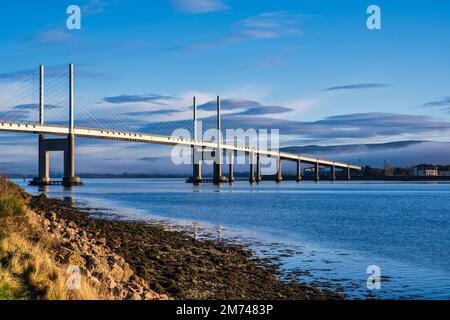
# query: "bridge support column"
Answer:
x=252 y=178
x=197 y=172
x=279 y=177
x=333 y=173
x=349 y=176
x=317 y=172
x=231 y=168
x=69 y=164
x=299 y=171
x=44 y=164
x=197 y=157
x=258 y=169
x=218 y=176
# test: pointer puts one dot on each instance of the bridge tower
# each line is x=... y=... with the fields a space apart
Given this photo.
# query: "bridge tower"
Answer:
x=67 y=145
x=218 y=176
x=197 y=154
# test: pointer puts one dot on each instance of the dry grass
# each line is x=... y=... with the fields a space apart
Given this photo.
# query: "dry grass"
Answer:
x=27 y=269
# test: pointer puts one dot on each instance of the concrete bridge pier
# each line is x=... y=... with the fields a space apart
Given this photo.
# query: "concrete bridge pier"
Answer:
x=197 y=172
x=217 y=169
x=44 y=163
x=333 y=173
x=252 y=178
x=66 y=145
x=69 y=164
x=279 y=176
x=299 y=171
x=258 y=168
x=197 y=156
x=231 y=168
x=349 y=176
x=317 y=172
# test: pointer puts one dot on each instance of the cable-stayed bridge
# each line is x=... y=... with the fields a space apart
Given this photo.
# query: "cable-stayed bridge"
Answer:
x=106 y=125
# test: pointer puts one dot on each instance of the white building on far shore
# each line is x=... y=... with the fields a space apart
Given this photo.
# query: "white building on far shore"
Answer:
x=424 y=171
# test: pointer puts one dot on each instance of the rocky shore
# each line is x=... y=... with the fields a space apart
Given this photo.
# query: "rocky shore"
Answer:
x=103 y=269
x=135 y=260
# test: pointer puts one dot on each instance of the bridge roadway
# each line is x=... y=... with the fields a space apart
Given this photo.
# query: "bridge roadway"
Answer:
x=163 y=140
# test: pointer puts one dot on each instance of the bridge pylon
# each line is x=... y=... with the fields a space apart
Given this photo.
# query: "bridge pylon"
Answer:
x=218 y=176
x=66 y=145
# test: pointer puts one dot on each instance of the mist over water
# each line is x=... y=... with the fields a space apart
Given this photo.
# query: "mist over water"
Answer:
x=325 y=233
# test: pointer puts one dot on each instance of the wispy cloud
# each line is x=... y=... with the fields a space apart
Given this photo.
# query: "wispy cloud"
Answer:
x=268 y=25
x=352 y=127
x=358 y=86
x=199 y=6
x=35 y=106
x=263 y=110
x=153 y=98
x=94 y=7
x=165 y=112
x=52 y=36
x=442 y=102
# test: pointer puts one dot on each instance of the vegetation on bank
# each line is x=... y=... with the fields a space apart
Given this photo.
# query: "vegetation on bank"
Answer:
x=27 y=269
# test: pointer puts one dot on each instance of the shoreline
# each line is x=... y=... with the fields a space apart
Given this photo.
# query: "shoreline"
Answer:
x=177 y=265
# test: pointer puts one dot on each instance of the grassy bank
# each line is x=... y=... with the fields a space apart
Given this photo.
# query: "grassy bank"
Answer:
x=27 y=269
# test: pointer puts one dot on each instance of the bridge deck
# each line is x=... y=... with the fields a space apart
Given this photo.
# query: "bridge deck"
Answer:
x=155 y=139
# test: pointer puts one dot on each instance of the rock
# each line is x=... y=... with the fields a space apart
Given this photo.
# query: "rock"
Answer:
x=101 y=242
x=111 y=283
x=93 y=281
x=150 y=295
x=92 y=262
x=83 y=234
x=136 y=288
x=50 y=216
x=119 y=294
x=127 y=273
x=134 y=296
x=72 y=225
x=75 y=259
x=117 y=273
x=139 y=281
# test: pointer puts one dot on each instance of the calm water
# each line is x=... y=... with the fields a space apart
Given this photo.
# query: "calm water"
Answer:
x=325 y=233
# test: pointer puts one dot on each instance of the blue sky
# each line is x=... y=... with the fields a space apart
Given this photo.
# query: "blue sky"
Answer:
x=310 y=68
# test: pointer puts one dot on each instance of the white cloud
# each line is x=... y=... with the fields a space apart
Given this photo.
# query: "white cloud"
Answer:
x=268 y=25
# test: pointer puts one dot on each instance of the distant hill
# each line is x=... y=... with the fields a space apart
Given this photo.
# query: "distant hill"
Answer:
x=348 y=148
x=401 y=153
